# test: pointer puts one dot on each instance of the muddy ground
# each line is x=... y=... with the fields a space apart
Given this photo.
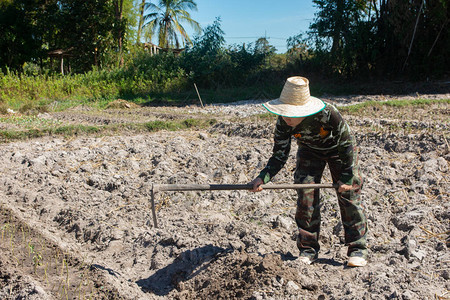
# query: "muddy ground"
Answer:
x=76 y=221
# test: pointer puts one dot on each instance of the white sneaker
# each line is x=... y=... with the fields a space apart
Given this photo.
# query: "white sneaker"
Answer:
x=356 y=261
x=306 y=260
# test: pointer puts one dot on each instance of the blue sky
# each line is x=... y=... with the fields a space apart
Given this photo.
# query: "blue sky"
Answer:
x=244 y=21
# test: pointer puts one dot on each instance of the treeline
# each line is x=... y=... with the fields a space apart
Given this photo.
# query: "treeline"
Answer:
x=162 y=77
x=88 y=32
x=383 y=38
x=347 y=39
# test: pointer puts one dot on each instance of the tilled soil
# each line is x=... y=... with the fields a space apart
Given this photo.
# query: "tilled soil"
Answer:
x=80 y=207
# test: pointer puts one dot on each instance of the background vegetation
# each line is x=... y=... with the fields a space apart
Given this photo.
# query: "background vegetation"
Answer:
x=103 y=58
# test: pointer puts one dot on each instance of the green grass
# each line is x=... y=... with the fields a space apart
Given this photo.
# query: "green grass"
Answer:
x=31 y=126
x=73 y=130
x=355 y=108
x=266 y=116
x=67 y=130
x=97 y=88
x=11 y=135
x=43 y=93
x=178 y=125
x=29 y=122
x=28 y=131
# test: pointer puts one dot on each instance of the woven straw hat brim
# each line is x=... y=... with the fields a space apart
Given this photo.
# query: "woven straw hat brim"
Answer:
x=311 y=107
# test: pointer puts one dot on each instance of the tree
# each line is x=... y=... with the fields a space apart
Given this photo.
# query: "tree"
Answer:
x=211 y=65
x=118 y=9
x=297 y=47
x=25 y=28
x=166 y=19
x=88 y=27
x=412 y=36
x=263 y=46
x=125 y=20
x=335 y=20
x=141 y=20
x=385 y=37
x=343 y=33
x=204 y=60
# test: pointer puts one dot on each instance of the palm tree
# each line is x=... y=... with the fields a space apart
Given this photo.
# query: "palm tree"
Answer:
x=165 y=19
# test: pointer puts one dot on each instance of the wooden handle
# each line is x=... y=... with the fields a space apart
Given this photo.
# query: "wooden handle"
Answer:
x=229 y=187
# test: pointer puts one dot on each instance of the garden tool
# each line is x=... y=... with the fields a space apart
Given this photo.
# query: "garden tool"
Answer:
x=227 y=187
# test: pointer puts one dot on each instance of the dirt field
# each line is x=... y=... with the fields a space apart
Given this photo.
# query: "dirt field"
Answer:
x=76 y=221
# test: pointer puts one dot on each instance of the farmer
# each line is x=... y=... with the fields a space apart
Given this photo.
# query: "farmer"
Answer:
x=322 y=137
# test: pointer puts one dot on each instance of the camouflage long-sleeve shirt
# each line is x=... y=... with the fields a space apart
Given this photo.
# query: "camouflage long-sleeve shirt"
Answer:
x=324 y=132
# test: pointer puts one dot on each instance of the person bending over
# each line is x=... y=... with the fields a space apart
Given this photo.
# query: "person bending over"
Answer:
x=323 y=137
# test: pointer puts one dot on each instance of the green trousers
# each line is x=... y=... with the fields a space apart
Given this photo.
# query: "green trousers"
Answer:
x=309 y=169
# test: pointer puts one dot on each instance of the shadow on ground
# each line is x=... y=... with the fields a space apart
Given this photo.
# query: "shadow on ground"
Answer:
x=185 y=266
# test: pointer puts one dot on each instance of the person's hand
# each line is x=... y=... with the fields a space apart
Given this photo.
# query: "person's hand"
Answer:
x=344 y=187
x=257 y=182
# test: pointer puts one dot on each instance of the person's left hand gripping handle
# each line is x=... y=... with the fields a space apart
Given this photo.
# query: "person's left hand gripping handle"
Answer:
x=256 y=183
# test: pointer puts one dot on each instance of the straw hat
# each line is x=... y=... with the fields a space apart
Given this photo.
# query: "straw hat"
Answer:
x=295 y=100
